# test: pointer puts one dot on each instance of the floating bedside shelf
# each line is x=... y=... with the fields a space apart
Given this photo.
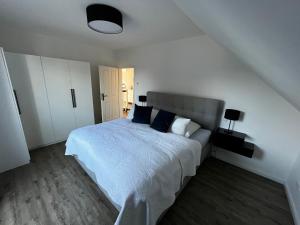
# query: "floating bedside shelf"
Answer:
x=234 y=142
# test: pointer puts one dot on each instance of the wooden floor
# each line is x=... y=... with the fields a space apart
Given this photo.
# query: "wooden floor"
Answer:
x=54 y=190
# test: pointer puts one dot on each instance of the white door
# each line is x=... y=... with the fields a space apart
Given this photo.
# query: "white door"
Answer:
x=27 y=78
x=14 y=151
x=82 y=85
x=110 y=91
x=58 y=83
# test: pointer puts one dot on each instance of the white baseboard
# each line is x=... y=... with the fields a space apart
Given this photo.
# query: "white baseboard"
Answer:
x=295 y=213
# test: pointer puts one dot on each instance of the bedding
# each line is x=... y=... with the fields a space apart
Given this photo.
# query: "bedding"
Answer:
x=163 y=121
x=201 y=135
x=138 y=167
x=191 y=128
x=179 y=125
x=153 y=115
x=142 y=114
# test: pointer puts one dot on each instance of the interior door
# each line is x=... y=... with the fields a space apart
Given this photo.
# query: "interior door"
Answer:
x=27 y=78
x=58 y=83
x=82 y=85
x=14 y=150
x=110 y=91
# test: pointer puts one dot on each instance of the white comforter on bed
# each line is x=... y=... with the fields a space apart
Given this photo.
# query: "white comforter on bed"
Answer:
x=140 y=168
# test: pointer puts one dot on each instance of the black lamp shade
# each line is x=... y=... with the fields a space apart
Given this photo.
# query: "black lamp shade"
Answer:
x=143 y=98
x=232 y=114
x=104 y=19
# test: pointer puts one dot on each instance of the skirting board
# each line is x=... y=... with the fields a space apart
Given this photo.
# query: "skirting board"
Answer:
x=295 y=213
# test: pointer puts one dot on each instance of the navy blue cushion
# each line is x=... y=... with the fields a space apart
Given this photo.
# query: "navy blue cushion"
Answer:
x=163 y=121
x=142 y=114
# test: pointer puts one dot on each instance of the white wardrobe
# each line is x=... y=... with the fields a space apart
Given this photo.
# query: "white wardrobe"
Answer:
x=13 y=150
x=54 y=96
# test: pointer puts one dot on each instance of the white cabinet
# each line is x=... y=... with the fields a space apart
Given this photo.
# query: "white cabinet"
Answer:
x=13 y=151
x=82 y=85
x=58 y=85
x=27 y=77
x=70 y=94
x=47 y=90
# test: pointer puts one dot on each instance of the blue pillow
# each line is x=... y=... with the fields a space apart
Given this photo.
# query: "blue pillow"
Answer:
x=142 y=114
x=163 y=121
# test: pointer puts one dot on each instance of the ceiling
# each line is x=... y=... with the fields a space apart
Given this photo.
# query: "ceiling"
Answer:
x=263 y=33
x=145 y=21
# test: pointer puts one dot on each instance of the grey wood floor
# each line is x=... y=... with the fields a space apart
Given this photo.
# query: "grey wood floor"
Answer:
x=53 y=189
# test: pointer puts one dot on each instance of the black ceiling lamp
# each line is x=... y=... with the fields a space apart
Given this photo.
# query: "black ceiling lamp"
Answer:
x=104 y=19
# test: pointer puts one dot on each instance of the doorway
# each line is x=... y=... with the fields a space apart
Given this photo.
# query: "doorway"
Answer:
x=116 y=91
x=127 y=90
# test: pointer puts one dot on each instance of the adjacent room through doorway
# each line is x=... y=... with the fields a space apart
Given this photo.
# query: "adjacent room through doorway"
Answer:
x=127 y=99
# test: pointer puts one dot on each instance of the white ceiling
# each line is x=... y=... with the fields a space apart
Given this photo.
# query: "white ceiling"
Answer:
x=145 y=21
x=263 y=33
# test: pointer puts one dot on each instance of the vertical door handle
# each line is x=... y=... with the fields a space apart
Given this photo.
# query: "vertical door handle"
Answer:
x=73 y=98
x=17 y=101
x=103 y=96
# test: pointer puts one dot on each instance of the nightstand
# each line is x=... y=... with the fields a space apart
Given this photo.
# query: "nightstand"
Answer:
x=234 y=142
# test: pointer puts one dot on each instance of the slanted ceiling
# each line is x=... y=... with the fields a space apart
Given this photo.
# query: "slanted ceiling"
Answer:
x=265 y=34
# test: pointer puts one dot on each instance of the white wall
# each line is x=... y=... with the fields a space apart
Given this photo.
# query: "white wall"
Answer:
x=19 y=41
x=293 y=190
x=264 y=34
x=200 y=67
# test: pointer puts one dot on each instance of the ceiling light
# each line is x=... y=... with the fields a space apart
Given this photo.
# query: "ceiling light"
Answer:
x=104 y=19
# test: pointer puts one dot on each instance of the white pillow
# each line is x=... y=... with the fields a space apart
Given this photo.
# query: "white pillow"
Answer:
x=153 y=115
x=191 y=128
x=179 y=125
x=130 y=113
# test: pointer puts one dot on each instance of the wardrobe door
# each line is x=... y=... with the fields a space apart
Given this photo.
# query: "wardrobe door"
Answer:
x=82 y=86
x=28 y=82
x=58 y=83
x=13 y=151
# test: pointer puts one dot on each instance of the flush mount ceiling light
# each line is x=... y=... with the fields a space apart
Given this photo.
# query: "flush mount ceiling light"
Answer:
x=104 y=19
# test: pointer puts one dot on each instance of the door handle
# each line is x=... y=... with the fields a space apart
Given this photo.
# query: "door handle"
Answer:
x=17 y=101
x=103 y=96
x=73 y=98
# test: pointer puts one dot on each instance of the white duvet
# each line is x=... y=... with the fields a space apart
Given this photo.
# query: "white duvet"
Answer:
x=140 y=168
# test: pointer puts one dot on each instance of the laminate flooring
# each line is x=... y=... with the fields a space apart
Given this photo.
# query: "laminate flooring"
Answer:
x=54 y=190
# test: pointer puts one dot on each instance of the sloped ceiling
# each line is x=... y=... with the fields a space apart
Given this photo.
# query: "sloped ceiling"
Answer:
x=265 y=34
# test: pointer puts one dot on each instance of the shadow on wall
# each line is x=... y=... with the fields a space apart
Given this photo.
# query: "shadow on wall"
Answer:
x=258 y=153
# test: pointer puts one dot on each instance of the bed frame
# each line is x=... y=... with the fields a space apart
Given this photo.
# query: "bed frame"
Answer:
x=204 y=111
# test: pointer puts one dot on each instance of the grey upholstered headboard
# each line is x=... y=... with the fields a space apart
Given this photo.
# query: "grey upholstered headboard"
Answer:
x=205 y=111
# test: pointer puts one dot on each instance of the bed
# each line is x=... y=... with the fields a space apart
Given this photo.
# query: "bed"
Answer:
x=141 y=170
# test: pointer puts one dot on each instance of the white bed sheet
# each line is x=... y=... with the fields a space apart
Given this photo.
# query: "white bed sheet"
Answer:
x=139 y=168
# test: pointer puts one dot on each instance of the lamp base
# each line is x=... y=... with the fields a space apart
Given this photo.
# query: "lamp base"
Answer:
x=228 y=131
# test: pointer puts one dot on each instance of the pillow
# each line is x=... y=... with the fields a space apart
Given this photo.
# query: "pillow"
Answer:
x=142 y=114
x=191 y=128
x=153 y=115
x=163 y=121
x=130 y=113
x=179 y=126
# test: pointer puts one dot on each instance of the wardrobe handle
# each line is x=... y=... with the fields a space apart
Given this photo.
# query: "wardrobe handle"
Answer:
x=17 y=101
x=73 y=98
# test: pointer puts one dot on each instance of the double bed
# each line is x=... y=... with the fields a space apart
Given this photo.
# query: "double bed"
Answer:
x=141 y=170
